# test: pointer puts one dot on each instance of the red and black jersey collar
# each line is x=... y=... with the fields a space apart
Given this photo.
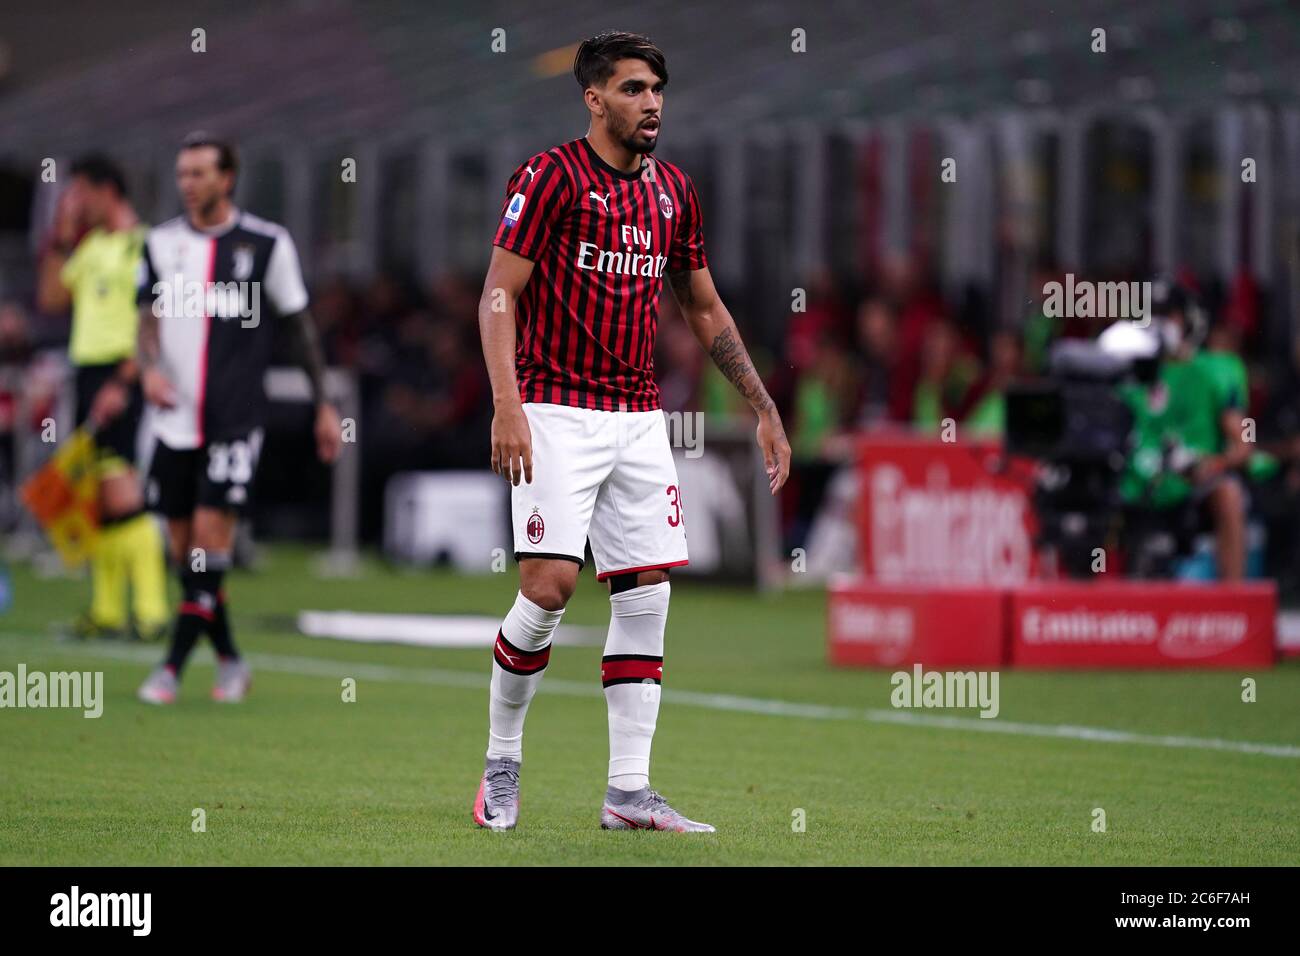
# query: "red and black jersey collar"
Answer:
x=617 y=173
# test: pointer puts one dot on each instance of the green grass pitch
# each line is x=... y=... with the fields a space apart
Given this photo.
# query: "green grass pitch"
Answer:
x=297 y=776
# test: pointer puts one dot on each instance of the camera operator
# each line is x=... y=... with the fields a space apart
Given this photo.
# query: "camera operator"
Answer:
x=1187 y=447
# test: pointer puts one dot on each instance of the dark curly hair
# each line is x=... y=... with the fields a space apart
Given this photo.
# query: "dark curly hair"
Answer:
x=594 y=62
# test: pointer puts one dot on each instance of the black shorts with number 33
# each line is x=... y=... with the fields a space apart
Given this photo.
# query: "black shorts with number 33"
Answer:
x=214 y=475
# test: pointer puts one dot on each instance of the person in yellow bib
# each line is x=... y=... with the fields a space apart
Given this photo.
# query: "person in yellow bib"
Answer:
x=92 y=266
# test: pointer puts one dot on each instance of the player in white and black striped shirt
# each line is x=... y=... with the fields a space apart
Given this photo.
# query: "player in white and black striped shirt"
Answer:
x=211 y=280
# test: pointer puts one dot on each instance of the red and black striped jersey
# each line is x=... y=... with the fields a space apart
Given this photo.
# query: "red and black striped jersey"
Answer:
x=601 y=241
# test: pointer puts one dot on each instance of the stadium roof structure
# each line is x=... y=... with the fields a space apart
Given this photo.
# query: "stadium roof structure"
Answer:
x=320 y=72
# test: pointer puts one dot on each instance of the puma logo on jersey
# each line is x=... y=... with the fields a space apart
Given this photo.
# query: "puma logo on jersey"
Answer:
x=531 y=172
x=603 y=200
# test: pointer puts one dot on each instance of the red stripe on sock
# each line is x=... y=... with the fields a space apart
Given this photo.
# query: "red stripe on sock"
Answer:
x=624 y=670
x=198 y=610
x=518 y=661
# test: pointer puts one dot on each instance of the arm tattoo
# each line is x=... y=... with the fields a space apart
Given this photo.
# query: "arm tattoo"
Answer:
x=729 y=355
x=308 y=353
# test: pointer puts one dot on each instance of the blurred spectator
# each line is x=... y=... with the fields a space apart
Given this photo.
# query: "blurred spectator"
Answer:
x=30 y=382
x=947 y=374
x=1274 y=473
x=383 y=304
x=824 y=397
x=334 y=306
x=455 y=298
x=1241 y=312
x=919 y=306
x=15 y=353
x=1188 y=447
x=823 y=314
x=982 y=412
x=880 y=393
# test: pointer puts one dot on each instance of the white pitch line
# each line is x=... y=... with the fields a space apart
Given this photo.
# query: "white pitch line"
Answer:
x=320 y=667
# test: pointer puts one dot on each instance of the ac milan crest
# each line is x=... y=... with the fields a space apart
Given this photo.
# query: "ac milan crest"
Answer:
x=535 y=527
x=666 y=205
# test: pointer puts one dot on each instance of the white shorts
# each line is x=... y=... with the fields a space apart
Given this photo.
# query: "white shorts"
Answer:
x=605 y=475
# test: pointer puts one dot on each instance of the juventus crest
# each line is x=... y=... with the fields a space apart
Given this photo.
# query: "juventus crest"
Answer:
x=243 y=264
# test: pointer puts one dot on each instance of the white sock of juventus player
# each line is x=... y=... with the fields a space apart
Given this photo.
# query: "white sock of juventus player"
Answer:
x=631 y=671
x=523 y=647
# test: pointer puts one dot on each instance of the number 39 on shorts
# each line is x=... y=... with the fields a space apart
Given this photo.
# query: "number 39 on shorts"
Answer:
x=675 y=501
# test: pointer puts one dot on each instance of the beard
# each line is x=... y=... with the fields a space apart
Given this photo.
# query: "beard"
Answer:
x=625 y=133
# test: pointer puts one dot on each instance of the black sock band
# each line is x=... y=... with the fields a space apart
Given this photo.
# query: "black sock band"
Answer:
x=194 y=617
x=222 y=640
x=213 y=578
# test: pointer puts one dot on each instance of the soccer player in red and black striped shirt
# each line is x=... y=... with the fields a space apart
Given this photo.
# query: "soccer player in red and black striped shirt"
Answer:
x=587 y=235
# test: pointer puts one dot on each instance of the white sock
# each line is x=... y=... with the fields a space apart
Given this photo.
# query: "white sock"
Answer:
x=519 y=658
x=631 y=670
